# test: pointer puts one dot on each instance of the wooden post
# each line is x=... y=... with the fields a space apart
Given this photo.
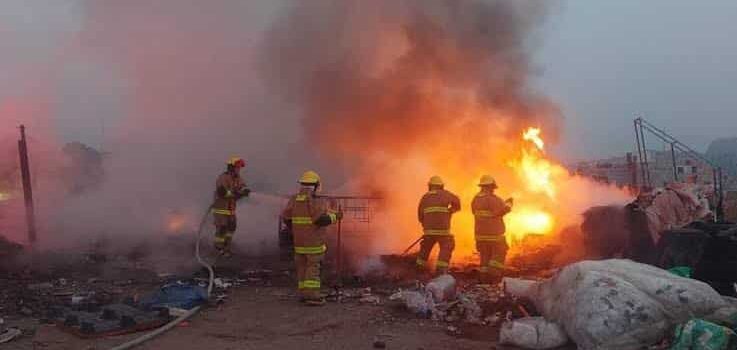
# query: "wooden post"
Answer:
x=27 y=190
x=339 y=262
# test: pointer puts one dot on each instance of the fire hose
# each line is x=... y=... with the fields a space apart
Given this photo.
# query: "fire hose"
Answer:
x=188 y=314
x=413 y=245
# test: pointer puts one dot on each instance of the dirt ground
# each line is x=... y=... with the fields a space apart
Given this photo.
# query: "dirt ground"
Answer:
x=260 y=313
x=270 y=318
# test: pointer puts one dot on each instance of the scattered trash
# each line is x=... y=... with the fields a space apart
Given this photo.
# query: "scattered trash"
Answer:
x=220 y=283
x=532 y=333
x=617 y=303
x=79 y=299
x=420 y=303
x=699 y=334
x=492 y=320
x=9 y=334
x=442 y=287
x=108 y=320
x=370 y=299
x=470 y=309
x=453 y=330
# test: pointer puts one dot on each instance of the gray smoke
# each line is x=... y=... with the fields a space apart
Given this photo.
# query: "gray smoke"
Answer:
x=379 y=74
x=175 y=87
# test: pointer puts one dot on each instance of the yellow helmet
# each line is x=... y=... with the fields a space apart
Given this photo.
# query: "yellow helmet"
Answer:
x=436 y=180
x=310 y=178
x=237 y=162
x=487 y=180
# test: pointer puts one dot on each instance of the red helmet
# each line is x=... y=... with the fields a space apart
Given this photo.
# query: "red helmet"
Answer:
x=237 y=162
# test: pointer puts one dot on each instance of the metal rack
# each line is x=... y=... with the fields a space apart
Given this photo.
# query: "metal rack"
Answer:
x=641 y=125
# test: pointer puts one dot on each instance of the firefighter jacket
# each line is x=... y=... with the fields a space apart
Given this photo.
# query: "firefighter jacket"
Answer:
x=488 y=211
x=435 y=210
x=309 y=217
x=228 y=189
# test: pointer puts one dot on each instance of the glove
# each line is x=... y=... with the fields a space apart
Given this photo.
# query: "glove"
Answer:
x=288 y=224
x=509 y=202
x=323 y=220
x=245 y=191
x=339 y=215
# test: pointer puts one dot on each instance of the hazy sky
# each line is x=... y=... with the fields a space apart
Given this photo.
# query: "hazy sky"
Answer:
x=673 y=61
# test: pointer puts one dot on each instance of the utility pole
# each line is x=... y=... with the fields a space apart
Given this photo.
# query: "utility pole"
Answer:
x=25 y=170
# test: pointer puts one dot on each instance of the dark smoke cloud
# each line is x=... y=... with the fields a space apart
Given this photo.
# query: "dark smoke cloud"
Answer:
x=374 y=74
x=396 y=91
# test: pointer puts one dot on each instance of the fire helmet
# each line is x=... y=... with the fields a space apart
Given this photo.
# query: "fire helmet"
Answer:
x=236 y=162
x=487 y=180
x=309 y=178
x=436 y=180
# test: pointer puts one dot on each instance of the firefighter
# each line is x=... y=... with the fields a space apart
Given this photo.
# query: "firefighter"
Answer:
x=308 y=215
x=229 y=188
x=488 y=211
x=434 y=212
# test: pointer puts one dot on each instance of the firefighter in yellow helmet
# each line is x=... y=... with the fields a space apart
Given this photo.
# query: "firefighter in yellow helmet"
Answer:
x=434 y=212
x=488 y=211
x=229 y=188
x=308 y=215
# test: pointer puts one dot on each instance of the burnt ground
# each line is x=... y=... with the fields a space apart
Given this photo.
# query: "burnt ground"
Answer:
x=259 y=310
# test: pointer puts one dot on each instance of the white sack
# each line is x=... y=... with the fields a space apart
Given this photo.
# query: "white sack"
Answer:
x=532 y=333
x=617 y=304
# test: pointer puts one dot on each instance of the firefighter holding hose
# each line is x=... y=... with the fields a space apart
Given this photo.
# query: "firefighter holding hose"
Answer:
x=434 y=212
x=229 y=188
x=489 y=211
x=308 y=215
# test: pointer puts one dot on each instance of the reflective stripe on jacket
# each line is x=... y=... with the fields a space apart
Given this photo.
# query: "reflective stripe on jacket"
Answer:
x=304 y=210
x=435 y=210
x=225 y=204
x=488 y=211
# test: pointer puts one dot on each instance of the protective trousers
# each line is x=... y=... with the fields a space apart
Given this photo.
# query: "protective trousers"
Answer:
x=493 y=253
x=308 y=274
x=446 y=243
x=225 y=226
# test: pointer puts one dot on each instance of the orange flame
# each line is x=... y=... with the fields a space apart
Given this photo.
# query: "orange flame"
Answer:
x=537 y=174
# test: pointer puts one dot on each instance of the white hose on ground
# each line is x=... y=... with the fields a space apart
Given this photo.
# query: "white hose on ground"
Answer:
x=188 y=314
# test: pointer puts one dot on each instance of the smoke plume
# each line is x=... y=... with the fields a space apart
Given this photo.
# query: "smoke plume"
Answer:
x=397 y=91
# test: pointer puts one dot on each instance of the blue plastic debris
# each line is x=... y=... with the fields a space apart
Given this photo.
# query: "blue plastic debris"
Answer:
x=180 y=296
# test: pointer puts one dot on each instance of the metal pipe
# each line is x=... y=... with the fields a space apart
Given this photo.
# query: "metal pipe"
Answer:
x=339 y=258
x=673 y=155
x=644 y=154
x=639 y=150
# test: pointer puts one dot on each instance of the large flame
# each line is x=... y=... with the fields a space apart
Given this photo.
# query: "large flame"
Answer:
x=546 y=197
x=537 y=175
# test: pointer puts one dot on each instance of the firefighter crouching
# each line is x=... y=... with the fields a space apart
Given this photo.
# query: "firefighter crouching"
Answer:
x=308 y=216
x=434 y=212
x=488 y=211
x=229 y=188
